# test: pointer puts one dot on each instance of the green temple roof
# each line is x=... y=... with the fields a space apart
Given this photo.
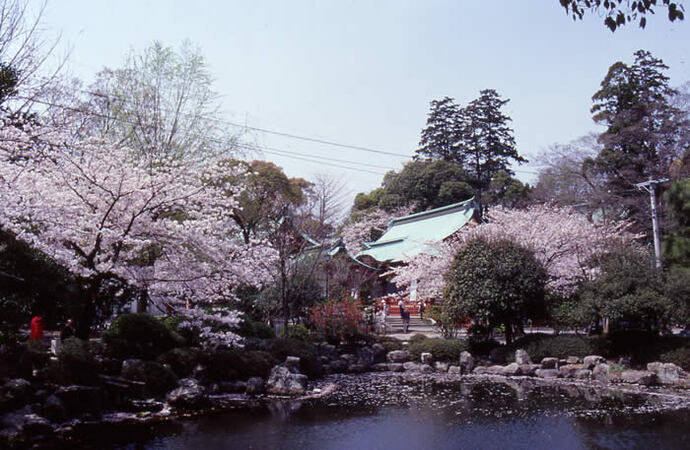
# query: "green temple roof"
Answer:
x=411 y=235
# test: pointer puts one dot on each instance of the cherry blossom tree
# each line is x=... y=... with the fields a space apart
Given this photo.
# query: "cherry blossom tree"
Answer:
x=362 y=228
x=564 y=241
x=164 y=229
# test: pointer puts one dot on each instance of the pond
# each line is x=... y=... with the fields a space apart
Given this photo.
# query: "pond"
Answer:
x=390 y=411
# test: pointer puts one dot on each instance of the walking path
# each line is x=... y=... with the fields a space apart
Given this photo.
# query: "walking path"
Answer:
x=395 y=328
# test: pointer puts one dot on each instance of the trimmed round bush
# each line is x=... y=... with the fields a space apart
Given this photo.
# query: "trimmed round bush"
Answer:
x=441 y=349
x=182 y=360
x=540 y=346
x=298 y=332
x=139 y=335
x=238 y=364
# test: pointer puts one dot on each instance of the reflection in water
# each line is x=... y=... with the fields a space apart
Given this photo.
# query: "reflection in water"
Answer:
x=398 y=412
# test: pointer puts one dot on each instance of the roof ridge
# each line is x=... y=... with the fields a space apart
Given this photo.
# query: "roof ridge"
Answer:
x=430 y=212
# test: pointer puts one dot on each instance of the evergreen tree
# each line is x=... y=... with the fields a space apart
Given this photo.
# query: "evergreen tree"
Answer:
x=441 y=135
x=486 y=141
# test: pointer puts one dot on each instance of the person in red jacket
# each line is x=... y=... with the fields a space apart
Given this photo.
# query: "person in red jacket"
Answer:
x=36 y=328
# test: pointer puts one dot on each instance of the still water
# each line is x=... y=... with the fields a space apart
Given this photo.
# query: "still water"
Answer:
x=399 y=413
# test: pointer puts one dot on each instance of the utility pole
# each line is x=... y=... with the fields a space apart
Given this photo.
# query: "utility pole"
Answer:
x=650 y=187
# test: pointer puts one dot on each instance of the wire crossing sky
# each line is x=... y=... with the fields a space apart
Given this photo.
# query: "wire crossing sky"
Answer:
x=361 y=74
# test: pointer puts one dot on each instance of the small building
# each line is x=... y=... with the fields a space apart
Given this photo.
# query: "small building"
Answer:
x=412 y=235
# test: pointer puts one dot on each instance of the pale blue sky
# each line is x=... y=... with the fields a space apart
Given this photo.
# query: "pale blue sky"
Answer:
x=364 y=72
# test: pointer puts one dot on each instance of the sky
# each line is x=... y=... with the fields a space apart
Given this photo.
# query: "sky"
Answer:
x=363 y=72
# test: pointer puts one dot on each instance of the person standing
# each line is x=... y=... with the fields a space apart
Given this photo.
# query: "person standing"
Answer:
x=67 y=331
x=422 y=308
x=401 y=305
x=36 y=328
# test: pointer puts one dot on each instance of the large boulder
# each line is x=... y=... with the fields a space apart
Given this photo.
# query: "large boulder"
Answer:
x=529 y=369
x=397 y=356
x=522 y=357
x=601 y=372
x=643 y=377
x=328 y=350
x=35 y=425
x=666 y=373
x=592 y=360
x=255 y=385
x=53 y=409
x=337 y=366
x=546 y=373
x=573 y=360
x=395 y=367
x=511 y=369
x=441 y=366
x=81 y=399
x=14 y=393
x=283 y=382
x=379 y=353
x=159 y=379
x=569 y=370
x=466 y=362
x=426 y=358
x=292 y=364
x=549 y=363
x=190 y=395
x=456 y=370
x=583 y=374
x=495 y=370
x=411 y=366
x=365 y=356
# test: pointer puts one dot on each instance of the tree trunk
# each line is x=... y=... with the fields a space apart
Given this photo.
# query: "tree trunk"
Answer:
x=87 y=314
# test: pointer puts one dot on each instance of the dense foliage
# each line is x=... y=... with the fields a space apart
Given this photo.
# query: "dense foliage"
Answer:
x=497 y=284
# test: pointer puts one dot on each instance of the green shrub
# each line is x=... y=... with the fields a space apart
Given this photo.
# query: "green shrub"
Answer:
x=417 y=338
x=307 y=352
x=238 y=364
x=483 y=347
x=259 y=330
x=181 y=360
x=540 y=346
x=77 y=361
x=389 y=343
x=298 y=332
x=140 y=335
x=441 y=349
x=679 y=356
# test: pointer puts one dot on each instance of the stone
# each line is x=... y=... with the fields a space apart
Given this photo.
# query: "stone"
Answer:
x=379 y=367
x=667 y=373
x=283 y=382
x=549 y=363
x=572 y=360
x=529 y=369
x=441 y=366
x=53 y=409
x=159 y=379
x=568 y=370
x=456 y=370
x=601 y=372
x=592 y=360
x=466 y=362
x=395 y=367
x=426 y=358
x=365 y=356
x=255 y=385
x=546 y=373
x=425 y=368
x=349 y=358
x=338 y=366
x=397 y=356
x=511 y=369
x=356 y=368
x=80 y=399
x=495 y=370
x=35 y=425
x=330 y=351
x=643 y=377
x=522 y=357
x=379 y=353
x=583 y=374
x=292 y=364
x=411 y=366
x=190 y=395
x=481 y=370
